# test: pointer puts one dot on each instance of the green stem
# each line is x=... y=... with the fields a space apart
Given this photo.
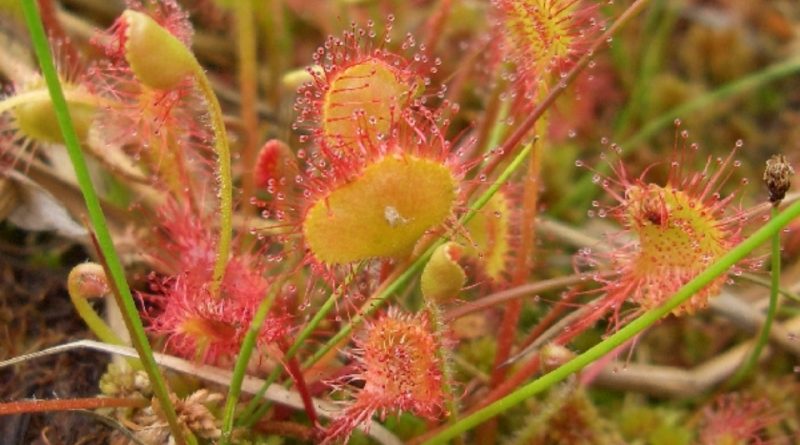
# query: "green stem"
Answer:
x=96 y=324
x=494 y=115
x=763 y=336
x=97 y=219
x=499 y=128
x=770 y=229
x=225 y=191
x=245 y=352
x=376 y=302
x=584 y=189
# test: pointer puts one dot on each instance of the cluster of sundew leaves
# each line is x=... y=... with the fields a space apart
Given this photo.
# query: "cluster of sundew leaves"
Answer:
x=373 y=136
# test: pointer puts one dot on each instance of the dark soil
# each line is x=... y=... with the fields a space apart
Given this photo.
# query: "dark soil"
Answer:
x=36 y=313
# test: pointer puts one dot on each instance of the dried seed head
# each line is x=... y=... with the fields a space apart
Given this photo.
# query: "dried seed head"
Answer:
x=778 y=177
x=195 y=414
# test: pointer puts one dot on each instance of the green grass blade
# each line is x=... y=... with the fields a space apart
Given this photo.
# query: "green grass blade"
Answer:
x=763 y=335
x=96 y=217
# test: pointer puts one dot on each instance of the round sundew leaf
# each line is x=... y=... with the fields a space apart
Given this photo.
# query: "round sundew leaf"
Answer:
x=363 y=96
x=679 y=236
x=382 y=213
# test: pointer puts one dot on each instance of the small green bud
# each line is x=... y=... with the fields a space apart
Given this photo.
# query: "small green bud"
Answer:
x=157 y=58
x=443 y=277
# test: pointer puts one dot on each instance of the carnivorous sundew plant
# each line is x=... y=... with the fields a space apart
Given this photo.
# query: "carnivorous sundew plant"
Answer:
x=678 y=228
x=383 y=221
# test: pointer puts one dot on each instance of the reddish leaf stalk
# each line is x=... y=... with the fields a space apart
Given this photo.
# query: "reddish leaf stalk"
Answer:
x=293 y=368
x=516 y=292
x=509 y=145
x=435 y=25
x=548 y=320
x=286 y=429
x=522 y=262
x=40 y=406
x=477 y=48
